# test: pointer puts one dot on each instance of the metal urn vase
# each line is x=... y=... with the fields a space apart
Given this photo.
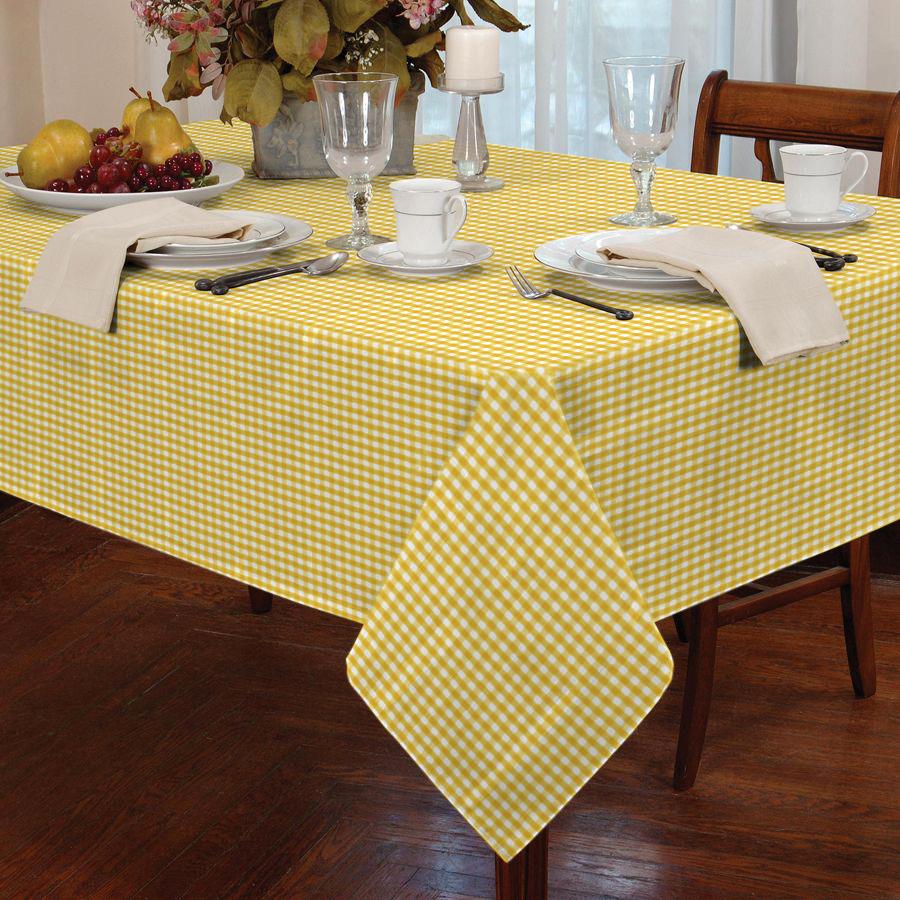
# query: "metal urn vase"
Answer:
x=291 y=145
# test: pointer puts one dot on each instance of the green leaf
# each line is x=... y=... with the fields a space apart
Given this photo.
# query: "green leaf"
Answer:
x=298 y=84
x=301 y=33
x=462 y=12
x=266 y=3
x=253 y=92
x=349 y=15
x=184 y=76
x=424 y=44
x=334 y=46
x=251 y=46
x=496 y=15
x=182 y=42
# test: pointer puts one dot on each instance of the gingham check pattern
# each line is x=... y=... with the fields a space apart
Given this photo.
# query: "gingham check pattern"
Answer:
x=507 y=493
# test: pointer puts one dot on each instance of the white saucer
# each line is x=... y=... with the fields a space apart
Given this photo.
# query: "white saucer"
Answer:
x=588 y=250
x=295 y=232
x=82 y=204
x=462 y=255
x=561 y=256
x=846 y=214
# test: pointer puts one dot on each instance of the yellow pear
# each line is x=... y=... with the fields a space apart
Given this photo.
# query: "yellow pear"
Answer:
x=56 y=151
x=132 y=111
x=160 y=133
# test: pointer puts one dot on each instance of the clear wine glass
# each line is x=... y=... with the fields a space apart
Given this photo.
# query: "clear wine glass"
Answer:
x=643 y=110
x=357 y=110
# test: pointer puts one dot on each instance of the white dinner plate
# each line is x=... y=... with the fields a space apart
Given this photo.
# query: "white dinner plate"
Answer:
x=82 y=204
x=846 y=214
x=560 y=255
x=462 y=255
x=588 y=249
x=264 y=229
x=295 y=232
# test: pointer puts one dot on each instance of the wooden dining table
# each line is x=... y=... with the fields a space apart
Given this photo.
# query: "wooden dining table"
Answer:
x=508 y=494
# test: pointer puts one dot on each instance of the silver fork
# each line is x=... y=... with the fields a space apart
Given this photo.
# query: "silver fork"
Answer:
x=530 y=292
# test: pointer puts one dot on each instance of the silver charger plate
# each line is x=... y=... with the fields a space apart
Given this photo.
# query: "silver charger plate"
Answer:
x=295 y=232
x=265 y=228
x=462 y=254
x=560 y=256
x=847 y=214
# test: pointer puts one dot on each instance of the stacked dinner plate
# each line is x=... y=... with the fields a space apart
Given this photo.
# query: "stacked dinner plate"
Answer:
x=268 y=233
x=579 y=255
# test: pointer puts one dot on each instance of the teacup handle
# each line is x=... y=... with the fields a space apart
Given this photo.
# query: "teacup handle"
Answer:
x=456 y=210
x=856 y=154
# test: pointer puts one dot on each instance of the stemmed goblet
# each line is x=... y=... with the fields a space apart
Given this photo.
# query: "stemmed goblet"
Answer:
x=357 y=110
x=643 y=110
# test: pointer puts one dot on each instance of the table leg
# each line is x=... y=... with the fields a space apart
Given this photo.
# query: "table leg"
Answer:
x=260 y=600
x=524 y=877
x=682 y=624
x=856 y=604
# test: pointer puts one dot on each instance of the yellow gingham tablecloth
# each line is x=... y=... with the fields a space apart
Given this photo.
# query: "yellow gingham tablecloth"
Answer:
x=506 y=493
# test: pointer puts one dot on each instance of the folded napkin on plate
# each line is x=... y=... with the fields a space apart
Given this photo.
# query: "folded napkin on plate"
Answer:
x=77 y=276
x=773 y=286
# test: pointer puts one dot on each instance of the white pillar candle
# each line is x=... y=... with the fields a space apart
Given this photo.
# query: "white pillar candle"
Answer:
x=472 y=53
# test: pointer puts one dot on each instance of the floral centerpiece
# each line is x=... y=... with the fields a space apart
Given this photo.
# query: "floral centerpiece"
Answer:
x=260 y=55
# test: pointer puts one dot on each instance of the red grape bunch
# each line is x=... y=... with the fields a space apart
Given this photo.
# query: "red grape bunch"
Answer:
x=115 y=167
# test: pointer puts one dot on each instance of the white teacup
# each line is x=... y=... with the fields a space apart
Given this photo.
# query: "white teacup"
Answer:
x=430 y=212
x=814 y=175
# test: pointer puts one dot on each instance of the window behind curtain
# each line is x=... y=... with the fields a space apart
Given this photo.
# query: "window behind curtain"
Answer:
x=555 y=96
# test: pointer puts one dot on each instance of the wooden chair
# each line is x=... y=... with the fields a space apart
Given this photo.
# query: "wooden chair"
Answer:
x=864 y=120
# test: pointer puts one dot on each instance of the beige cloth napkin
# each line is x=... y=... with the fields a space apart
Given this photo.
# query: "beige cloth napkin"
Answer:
x=77 y=276
x=773 y=286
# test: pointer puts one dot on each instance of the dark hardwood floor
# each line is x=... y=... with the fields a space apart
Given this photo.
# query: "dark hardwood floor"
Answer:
x=158 y=740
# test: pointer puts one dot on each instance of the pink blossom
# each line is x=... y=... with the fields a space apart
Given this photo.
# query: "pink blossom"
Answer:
x=421 y=11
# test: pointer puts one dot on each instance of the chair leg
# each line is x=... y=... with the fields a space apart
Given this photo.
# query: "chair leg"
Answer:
x=856 y=606
x=260 y=601
x=524 y=877
x=681 y=625
x=698 y=689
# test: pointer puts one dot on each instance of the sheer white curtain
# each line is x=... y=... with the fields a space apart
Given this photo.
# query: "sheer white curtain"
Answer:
x=555 y=97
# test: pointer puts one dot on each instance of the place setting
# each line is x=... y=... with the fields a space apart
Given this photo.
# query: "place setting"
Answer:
x=643 y=100
x=773 y=285
x=357 y=116
x=142 y=182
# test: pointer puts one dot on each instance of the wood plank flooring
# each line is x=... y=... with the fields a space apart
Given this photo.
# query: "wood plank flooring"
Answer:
x=158 y=740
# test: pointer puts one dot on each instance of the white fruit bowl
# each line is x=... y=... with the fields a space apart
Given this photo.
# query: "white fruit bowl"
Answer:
x=82 y=204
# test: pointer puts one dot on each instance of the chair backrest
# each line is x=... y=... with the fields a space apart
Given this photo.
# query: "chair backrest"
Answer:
x=863 y=120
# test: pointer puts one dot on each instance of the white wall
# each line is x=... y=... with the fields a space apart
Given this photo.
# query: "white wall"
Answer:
x=87 y=60
x=21 y=89
x=76 y=60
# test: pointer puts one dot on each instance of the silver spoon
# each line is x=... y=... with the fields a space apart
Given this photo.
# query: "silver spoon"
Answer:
x=324 y=265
